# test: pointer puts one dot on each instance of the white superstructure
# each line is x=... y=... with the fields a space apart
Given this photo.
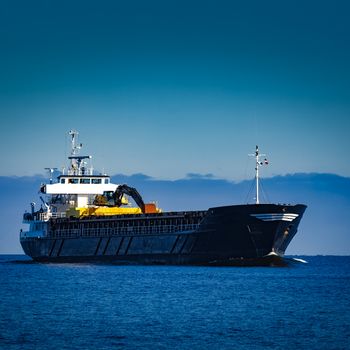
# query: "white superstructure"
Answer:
x=77 y=188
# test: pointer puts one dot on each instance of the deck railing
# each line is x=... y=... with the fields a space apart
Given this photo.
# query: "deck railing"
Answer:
x=115 y=231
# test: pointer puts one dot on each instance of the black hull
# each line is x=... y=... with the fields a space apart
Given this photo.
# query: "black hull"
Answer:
x=222 y=236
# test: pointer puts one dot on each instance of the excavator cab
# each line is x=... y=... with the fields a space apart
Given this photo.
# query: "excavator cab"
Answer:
x=118 y=197
x=108 y=199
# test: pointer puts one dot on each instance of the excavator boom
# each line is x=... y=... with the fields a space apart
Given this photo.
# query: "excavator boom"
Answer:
x=129 y=191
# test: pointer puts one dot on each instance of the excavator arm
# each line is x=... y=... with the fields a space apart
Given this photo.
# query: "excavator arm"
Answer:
x=129 y=191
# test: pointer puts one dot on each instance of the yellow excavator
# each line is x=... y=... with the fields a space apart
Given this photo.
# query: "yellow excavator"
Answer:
x=109 y=203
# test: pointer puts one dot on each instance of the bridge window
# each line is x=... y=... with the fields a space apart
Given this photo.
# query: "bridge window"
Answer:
x=84 y=181
x=63 y=181
x=96 y=181
x=73 y=181
x=106 y=181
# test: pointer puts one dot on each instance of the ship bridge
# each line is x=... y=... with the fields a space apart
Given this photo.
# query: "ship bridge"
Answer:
x=92 y=184
x=85 y=188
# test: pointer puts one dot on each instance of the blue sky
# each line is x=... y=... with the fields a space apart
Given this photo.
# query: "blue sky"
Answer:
x=168 y=88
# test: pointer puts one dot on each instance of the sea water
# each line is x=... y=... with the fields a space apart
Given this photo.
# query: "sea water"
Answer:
x=87 y=306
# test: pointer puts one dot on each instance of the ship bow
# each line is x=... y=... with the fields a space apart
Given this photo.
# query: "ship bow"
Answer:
x=250 y=231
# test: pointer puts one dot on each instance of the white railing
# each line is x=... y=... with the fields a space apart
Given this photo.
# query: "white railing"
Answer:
x=58 y=215
x=44 y=216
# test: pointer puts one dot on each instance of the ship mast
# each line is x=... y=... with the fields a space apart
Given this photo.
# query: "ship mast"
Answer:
x=77 y=166
x=75 y=148
x=258 y=163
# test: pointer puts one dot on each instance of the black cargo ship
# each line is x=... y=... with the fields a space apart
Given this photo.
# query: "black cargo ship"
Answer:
x=85 y=220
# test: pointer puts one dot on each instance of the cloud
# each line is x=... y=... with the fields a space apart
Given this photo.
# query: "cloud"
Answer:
x=199 y=176
x=121 y=178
